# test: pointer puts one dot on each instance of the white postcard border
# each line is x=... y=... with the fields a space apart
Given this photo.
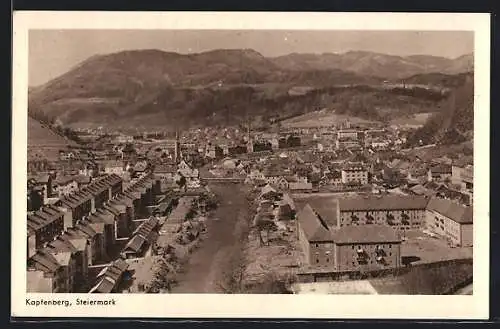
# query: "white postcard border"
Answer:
x=252 y=306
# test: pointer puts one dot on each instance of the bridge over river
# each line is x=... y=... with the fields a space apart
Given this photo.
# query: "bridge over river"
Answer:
x=235 y=180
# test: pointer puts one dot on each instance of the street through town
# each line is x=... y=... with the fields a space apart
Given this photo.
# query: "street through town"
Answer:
x=204 y=272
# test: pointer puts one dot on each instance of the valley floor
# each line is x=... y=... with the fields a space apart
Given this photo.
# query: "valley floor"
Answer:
x=204 y=271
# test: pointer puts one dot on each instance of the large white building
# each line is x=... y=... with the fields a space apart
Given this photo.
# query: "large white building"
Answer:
x=354 y=174
x=451 y=220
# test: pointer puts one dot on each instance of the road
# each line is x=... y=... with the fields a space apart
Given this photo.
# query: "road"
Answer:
x=204 y=270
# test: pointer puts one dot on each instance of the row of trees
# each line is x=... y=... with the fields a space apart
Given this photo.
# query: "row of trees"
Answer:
x=51 y=122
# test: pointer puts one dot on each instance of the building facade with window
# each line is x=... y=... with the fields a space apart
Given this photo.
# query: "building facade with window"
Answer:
x=366 y=248
x=354 y=174
x=404 y=212
x=451 y=220
x=44 y=225
x=347 y=248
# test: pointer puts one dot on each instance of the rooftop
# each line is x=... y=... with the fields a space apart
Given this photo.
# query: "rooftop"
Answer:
x=382 y=203
x=454 y=211
x=365 y=234
x=313 y=226
x=43 y=217
x=323 y=206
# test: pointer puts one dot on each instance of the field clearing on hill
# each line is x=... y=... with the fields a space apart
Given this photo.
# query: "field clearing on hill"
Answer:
x=415 y=120
x=322 y=119
x=44 y=143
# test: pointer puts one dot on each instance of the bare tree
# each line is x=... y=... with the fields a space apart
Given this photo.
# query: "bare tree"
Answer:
x=233 y=275
x=264 y=224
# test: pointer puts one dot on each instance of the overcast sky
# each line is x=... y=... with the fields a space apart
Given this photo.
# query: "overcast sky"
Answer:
x=54 y=52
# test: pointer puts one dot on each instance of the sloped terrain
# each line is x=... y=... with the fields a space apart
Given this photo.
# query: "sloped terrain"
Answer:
x=220 y=87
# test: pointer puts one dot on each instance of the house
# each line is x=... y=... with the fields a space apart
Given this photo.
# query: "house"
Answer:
x=164 y=172
x=346 y=249
x=266 y=191
x=366 y=248
x=421 y=190
x=451 y=220
x=93 y=232
x=43 y=226
x=229 y=164
x=140 y=166
x=355 y=174
x=463 y=175
x=379 y=145
x=283 y=211
x=50 y=272
x=83 y=180
x=42 y=182
x=108 y=221
x=75 y=207
x=399 y=211
x=89 y=169
x=110 y=278
x=332 y=178
x=35 y=197
x=273 y=176
x=439 y=172
x=256 y=174
x=122 y=220
x=315 y=239
x=63 y=266
x=238 y=149
x=185 y=170
x=300 y=187
x=79 y=248
x=347 y=133
x=142 y=238
x=274 y=143
x=114 y=167
x=282 y=183
x=65 y=185
x=214 y=152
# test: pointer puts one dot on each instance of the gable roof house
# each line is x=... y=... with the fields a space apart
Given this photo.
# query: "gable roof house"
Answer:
x=110 y=278
x=49 y=273
x=312 y=226
x=143 y=237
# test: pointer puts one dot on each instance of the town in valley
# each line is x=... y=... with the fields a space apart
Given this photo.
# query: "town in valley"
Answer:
x=246 y=173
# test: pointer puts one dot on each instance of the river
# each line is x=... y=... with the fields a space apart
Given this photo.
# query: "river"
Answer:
x=203 y=272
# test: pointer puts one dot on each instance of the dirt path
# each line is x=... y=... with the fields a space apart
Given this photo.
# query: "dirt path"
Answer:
x=204 y=270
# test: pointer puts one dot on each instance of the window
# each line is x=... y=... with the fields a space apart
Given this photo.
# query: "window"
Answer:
x=328 y=260
x=317 y=260
x=316 y=245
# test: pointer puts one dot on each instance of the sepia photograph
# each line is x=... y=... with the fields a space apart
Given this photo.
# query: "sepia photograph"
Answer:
x=250 y=161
